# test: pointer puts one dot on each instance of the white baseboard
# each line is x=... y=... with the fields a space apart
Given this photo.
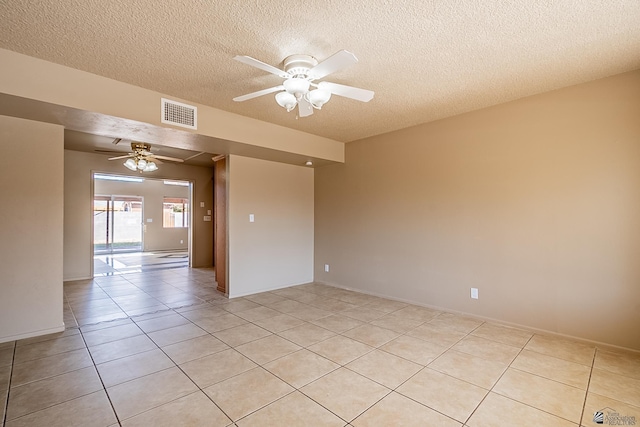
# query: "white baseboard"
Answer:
x=231 y=296
x=32 y=334
x=601 y=345
x=73 y=279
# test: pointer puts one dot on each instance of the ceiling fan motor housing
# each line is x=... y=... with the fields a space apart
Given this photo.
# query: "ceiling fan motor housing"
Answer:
x=296 y=65
x=140 y=146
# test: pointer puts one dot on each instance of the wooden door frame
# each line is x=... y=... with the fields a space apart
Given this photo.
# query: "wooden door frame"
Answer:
x=220 y=222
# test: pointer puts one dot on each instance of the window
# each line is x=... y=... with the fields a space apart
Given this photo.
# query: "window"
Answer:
x=178 y=183
x=175 y=212
x=117 y=178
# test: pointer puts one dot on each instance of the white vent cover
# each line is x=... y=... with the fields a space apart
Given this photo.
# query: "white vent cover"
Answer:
x=179 y=114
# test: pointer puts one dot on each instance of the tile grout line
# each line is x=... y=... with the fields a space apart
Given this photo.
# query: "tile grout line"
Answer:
x=271 y=333
x=395 y=390
x=6 y=404
x=144 y=333
x=118 y=305
x=391 y=390
x=157 y=346
x=540 y=376
x=176 y=365
x=186 y=375
x=261 y=366
x=388 y=388
x=49 y=377
x=104 y=388
x=491 y=389
x=586 y=394
x=434 y=359
x=498 y=380
x=258 y=365
x=299 y=389
x=66 y=301
x=131 y=317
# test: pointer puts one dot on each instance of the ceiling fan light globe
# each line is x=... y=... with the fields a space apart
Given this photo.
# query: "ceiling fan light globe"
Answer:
x=142 y=163
x=151 y=166
x=130 y=164
x=319 y=97
x=296 y=86
x=286 y=100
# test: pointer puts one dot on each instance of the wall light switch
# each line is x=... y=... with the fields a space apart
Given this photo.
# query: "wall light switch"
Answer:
x=149 y=219
x=252 y=218
x=326 y=268
x=202 y=204
x=207 y=218
x=208 y=211
x=474 y=293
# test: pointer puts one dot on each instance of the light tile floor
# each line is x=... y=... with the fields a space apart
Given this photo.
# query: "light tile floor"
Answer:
x=166 y=349
x=138 y=262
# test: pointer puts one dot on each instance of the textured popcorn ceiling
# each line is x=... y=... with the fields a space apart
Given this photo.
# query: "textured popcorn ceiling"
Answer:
x=424 y=59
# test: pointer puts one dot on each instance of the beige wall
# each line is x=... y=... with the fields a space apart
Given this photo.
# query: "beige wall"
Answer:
x=276 y=250
x=153 y=191
x=535 y=202
x=31 y=185
x=78 y=169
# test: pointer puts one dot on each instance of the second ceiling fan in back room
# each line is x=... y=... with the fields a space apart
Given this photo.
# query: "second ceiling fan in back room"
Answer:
x=142 y=159
x=300 y=74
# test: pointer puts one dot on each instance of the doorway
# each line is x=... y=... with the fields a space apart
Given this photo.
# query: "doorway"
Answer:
x=117 y=224
x=140 y=224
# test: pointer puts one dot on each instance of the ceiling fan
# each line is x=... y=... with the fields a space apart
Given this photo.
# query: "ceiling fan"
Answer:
x=300 y=73
x=142 y=159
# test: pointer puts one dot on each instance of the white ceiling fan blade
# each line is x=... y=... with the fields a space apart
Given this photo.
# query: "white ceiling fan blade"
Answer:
x=172 y=159
x=195 y=155
x=258 y=93
x=261 y=65
x=335 y=62
x=358 y=94
x=304 y=108
x=119 y=157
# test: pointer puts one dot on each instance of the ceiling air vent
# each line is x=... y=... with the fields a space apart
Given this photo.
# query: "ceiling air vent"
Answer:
x=179 y=114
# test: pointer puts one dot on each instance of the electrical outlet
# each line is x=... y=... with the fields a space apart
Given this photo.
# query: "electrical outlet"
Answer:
x=326 y=268
x=474 y=293
x=181 y=242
